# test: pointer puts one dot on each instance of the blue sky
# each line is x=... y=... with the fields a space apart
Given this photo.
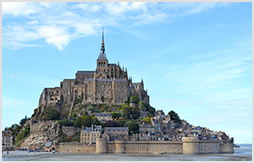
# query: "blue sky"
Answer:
x=194 y=58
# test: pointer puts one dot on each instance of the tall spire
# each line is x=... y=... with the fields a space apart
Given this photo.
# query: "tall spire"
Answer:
x=102 y=42
x=102 y=56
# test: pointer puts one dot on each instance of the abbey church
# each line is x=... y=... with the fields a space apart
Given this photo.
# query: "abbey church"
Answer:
x=109 y=83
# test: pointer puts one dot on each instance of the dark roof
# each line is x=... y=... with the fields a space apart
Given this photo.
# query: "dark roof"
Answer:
x=112 y=64
x=109 y=80
x=102 y=57
x=48 y=144
x=102 y=114
x=85 y=72
x=116 y=128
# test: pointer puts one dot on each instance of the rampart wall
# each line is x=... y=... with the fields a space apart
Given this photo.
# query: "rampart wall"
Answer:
x=75 y=147
x=190 y=145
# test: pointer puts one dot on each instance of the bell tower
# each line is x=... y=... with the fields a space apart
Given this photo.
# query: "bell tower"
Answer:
x=102 y=61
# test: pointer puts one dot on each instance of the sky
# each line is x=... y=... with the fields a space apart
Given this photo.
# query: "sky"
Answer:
x=194 y=58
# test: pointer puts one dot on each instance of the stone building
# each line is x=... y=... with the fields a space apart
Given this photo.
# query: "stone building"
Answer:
x=108 y=83
x=103 y=117
x=7 y=138
x=89 y=135
x=145 y=128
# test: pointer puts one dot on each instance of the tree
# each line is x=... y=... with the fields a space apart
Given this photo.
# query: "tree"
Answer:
x=134 y=99
x=130 y=112
x=150 y=109
x=86 y=121
x=135 y=112
x=92 y=109
x=146 y=119
x=126 y=111
x=133 y=127
x=121 y=122
x=141 y=105
x=174 y=116
x=66 y=122
x=112 y=124
x=78 y=122
x=51 y=113
x=23 y=121
x=115 y=115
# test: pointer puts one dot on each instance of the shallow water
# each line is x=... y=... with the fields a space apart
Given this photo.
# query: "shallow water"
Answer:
x=241 y=154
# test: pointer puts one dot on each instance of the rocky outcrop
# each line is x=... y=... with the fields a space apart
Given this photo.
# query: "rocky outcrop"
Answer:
x=48 y=132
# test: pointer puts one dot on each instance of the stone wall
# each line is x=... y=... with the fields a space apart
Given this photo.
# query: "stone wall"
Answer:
x=75 y=147
x=189 y=145
x=70 y=130
x=227 y=148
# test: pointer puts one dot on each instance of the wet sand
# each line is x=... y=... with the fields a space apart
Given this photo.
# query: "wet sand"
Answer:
x=45 y=156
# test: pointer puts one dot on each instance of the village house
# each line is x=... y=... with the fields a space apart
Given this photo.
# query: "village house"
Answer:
x=7 y=138
x=103 y=117
x=90 y=134
x=145 y=128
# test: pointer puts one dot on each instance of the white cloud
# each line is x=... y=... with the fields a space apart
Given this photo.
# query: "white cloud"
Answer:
x=65 y=22
x=87 y=7
x=19 y=8
x=55 y=35
x=121 y=7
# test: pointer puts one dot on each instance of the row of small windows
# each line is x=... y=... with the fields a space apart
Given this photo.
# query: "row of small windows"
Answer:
x=92 y=134
x=91 y=138
x=102 y=64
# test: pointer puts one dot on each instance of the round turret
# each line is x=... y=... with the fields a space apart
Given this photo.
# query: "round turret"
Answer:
x=101 y=145
x=119 y=146
x=190 y=145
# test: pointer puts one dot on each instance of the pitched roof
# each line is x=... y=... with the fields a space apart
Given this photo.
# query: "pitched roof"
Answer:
x=85 y=72
x=102 y=57
x=48 y=144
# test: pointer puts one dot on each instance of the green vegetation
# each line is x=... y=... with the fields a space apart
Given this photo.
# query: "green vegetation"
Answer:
x=112 y=124
x=23 y=121
x=79 y=100
x=134 y=99
x=133 y=127
x=50 y=113
x=141 y=105
x=174 y=116
x=76 y=137
x=146 y=119
x=86 y=120
x=21 y=136
x=115 y=115
x=62 y=137
x=130 y=112
x=65 y=122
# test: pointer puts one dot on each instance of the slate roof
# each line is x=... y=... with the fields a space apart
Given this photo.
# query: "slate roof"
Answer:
x=85 y=72
x=89 y=129
x=111 y=65
x=109 y=80
x=48 y=144
x=116 y=128
x=102 y=57
x=102 y=114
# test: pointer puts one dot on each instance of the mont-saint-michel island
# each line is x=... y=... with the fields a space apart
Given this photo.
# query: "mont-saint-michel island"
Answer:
x=105 y=112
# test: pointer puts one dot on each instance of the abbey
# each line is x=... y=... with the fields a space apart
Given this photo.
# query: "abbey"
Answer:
x=109 y=83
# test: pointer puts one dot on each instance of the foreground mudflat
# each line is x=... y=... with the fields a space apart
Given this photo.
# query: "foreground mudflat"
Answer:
x=239 y=155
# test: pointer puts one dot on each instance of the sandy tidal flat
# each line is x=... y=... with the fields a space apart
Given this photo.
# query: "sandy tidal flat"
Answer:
x=239 y=155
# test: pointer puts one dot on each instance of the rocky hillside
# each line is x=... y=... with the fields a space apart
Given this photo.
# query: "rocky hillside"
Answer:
x=38 y=138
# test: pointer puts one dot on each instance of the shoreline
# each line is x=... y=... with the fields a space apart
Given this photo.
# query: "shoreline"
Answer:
x=239 y=155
